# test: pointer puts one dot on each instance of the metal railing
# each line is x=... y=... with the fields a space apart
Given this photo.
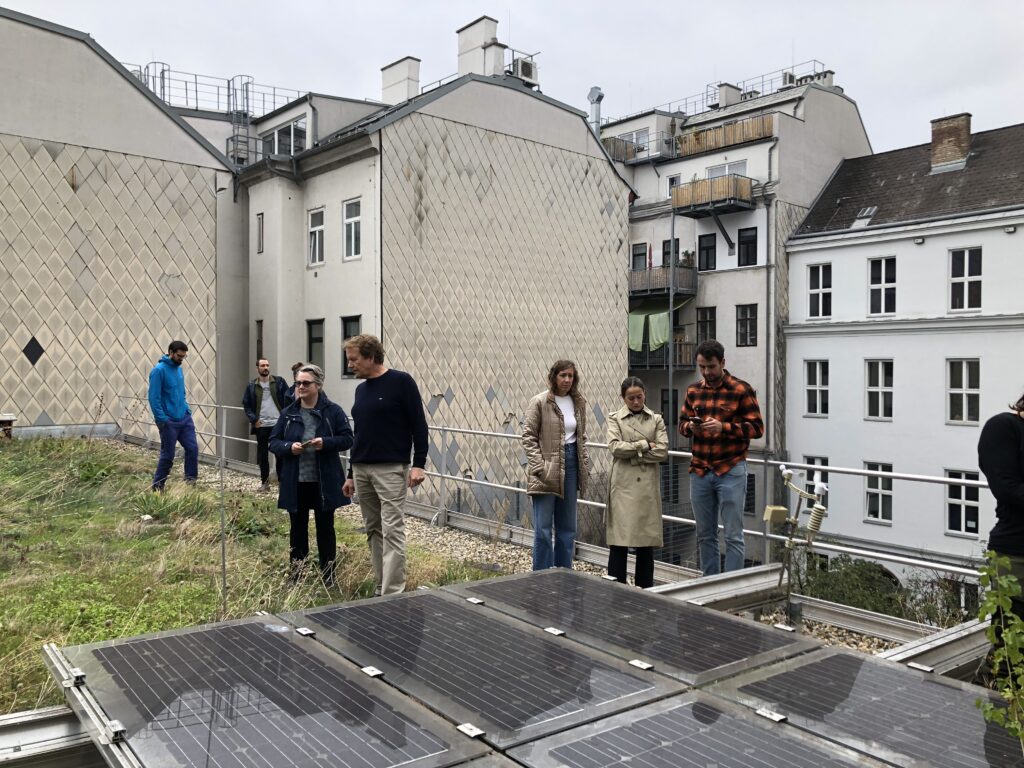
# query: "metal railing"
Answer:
x=722 y=136
x=656 y=359
x=658 y=145
x=656 y=279
x=720 y=190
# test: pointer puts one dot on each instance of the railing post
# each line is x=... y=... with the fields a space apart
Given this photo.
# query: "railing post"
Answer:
x=222 y=418
x=442 y=504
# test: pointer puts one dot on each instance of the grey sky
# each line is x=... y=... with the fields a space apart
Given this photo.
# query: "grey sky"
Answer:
x=903 y=62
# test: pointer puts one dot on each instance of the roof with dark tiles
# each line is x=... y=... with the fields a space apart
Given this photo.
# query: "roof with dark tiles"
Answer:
x=901 y=184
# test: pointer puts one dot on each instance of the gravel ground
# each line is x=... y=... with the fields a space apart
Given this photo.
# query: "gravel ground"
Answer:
x=502 y=557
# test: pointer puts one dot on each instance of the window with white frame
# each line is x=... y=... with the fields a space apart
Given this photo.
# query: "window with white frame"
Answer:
x=878 y=378
x=878 y=493
x=882 y=285
x=351 y=221
x=817 y=461
x=289 y=139
x=819 y=290
x=674 y=181
x=638 y=137
x=962 y=503
x=965 y=279
x=739 y=167
x=259 y=233
x=316 y=237
x=746 y=325
x=964 y=391
x=817 y=387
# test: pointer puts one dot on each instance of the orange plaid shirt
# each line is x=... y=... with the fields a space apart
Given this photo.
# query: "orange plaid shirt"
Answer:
x=734 y=403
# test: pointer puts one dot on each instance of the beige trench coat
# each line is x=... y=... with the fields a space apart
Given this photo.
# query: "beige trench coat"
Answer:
x=543 y=440
x=634 y=484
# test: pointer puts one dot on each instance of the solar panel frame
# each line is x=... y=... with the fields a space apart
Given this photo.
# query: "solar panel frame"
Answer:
x=376 y=713
x=882 y=734
x=589 y=625
x=576 y=664
x=686 y=731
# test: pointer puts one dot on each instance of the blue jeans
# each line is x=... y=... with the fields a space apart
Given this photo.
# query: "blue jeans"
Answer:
x=549 y=512
x=711 y=496
x=172 y=433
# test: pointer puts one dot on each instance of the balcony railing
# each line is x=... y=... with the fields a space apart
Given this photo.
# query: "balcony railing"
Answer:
x=657 y=279
x=657 y=145
x=722 y=194
x=657 y=359
x=740 y=132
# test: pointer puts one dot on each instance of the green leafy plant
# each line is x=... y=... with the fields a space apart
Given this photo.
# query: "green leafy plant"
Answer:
x=1006 y=633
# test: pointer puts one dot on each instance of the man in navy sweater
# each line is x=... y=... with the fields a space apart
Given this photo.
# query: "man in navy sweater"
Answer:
x=390 y=424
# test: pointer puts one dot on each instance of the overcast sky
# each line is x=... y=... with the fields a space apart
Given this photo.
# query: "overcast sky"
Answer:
x=903 y=62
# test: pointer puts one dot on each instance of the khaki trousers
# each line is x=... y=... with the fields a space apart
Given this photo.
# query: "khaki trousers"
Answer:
x=382 y=489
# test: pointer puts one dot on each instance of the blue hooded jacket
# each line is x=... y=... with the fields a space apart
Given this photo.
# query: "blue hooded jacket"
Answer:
x=167 y=391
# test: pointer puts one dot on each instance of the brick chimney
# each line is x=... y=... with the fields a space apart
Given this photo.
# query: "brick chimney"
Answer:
x=951 y=142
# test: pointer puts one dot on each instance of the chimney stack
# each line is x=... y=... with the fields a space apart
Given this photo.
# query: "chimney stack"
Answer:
x=951 y=142
x=596 y=96
x=728 y=94
x=400 y=80
x=480 y=52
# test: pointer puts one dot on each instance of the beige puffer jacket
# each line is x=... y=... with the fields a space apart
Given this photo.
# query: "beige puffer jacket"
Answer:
x=543 y=440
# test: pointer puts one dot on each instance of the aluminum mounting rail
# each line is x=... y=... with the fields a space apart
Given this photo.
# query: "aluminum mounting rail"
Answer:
x=954 y=652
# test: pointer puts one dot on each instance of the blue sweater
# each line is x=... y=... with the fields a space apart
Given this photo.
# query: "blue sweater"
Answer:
x=388 y=413
x=167 y=391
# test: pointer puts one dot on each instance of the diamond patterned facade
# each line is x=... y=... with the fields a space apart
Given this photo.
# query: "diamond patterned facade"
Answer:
x=499 y=256
x=104 y=257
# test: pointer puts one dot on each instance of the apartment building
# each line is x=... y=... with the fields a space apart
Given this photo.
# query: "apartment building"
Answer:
x=905 y=332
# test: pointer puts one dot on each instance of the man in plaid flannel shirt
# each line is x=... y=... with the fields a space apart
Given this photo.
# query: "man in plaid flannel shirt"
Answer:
x=722 y=416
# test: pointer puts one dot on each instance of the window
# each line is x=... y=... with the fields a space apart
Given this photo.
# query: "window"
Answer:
x=670 y=411
x=964 y=391
x=882 y=280
x=259 y=339
x=287 y=140
x=259 y=233
x=638 y=260
x=668 y=249
x=750 y=497
x=864 y=217
x=816 y=562
x=739 y=168
x=351 y=216
x=817 y=387
x=962 y=504
x=315 y=342
x=878 y=492
x=350 y=326
x=316 y=237
x=706 y=252
x=746 y=325
x=746 y=242
x=965 y=279
x=638 y=137
x=706 y=325
x=673 y=182
x=819 y=286
x=818 y=461
x=879 y=389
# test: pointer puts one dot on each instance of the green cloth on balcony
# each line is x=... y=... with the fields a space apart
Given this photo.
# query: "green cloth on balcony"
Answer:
x=636 y=331
x=659 y=330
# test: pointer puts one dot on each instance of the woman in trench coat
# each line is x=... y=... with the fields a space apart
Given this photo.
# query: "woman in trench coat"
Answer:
x=638 y=442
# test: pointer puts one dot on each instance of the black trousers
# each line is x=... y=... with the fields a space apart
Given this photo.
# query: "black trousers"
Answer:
x=326 y=542
x=263 y=452
x=644 y=577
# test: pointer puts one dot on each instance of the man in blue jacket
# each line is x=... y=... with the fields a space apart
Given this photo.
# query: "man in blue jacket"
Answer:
x=172 y=415
x=263 y=401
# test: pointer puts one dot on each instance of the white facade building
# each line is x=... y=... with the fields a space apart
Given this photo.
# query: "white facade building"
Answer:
x=905 y=334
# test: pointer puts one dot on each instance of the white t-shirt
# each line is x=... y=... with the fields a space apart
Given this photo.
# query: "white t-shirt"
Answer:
x=568 y=409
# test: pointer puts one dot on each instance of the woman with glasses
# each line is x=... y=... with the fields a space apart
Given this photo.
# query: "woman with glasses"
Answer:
x=638 y=442
x=308 y=439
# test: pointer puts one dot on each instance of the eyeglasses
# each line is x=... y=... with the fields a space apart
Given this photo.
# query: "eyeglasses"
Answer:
x=304 y=383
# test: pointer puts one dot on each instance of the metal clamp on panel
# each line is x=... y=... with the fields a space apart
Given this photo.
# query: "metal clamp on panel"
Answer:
x=372 y=672
x=471 y=730
x=306 y=632
x=606 y=577
x=784 y=627
x=115 y=731
x=775 y=717
x=474 y=600
x=554 y=631
x=76 y=677
x=640 y=664
x=919 y=666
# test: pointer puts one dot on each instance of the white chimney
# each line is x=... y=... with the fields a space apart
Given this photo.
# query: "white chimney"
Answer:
x=480 y=52
x=728 y=94
x=400 y=80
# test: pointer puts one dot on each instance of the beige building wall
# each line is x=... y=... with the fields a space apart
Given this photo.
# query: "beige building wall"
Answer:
x=500 y=255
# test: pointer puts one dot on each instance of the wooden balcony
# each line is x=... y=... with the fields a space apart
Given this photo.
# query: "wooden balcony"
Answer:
x=722 y=136
x=657 y=360
x=720 y=195
x=643 y=282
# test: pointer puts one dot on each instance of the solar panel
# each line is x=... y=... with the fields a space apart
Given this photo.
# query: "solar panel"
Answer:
x=901 y=715
x=691 y=643
x=694 y=730
x=256 y=693
x=513 y=681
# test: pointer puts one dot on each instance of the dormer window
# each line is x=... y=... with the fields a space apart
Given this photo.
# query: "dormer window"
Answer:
x=289 y=139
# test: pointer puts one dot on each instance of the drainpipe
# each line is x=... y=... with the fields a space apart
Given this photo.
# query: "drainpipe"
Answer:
x=768 y=378
x=595 y=96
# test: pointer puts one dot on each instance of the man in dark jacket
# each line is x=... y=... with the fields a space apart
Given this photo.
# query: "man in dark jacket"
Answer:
x=172 y=415
x=1001 y=458
x=263 y=400
x=308 y=439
